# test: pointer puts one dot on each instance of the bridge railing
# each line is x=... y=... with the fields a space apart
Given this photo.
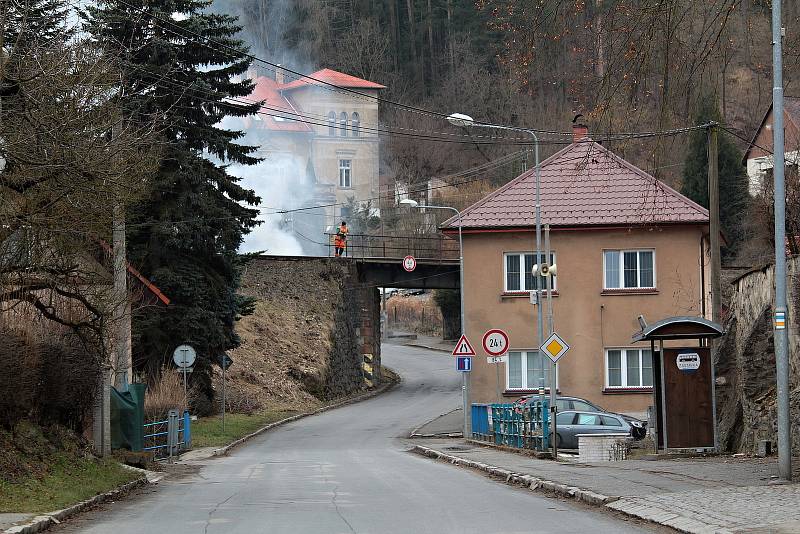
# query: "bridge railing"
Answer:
x=422 y=247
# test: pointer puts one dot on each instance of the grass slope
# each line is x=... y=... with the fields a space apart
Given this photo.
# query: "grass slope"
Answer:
x=42 y=470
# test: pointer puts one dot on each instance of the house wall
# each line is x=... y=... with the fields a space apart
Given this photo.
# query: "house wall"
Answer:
x=584 y=316
x=327 y=150
x=760 y=161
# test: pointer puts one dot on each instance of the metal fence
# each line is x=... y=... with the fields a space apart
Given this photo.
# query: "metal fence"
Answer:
x=424 y=247
x=169 y=437
x=513 y=425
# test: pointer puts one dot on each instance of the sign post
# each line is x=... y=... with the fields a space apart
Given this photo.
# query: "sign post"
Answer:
x=464 y=348
x=554 y=347
x=184 y=357
x=495 y=343
x=224 y=361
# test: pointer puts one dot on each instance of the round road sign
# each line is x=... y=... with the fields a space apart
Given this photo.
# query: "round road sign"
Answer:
x=495 y=342
x=184 y=355
x=409 y=263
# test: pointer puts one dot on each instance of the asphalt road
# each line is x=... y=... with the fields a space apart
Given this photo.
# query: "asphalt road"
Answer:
x=346 y=471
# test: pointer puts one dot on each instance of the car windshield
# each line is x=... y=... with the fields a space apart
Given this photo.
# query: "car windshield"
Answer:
x=585 y=406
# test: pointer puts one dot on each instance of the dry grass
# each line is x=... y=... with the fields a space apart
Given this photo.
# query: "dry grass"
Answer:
x=417 y=314
x=164 y=394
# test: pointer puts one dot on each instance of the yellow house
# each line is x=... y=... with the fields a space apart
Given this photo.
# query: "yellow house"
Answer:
x=321 y=129
x=624 y=243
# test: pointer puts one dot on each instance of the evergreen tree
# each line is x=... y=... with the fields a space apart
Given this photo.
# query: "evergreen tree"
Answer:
x=734 y=196
x=186 y=234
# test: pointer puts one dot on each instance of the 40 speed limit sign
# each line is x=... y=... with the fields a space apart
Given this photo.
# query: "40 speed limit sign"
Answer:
x=495 y=342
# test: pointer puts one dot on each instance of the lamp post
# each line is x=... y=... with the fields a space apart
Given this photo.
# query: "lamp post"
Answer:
x=459 y=119
x=464 y=382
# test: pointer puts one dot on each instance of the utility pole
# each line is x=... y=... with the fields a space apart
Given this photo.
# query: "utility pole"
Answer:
x=716 y=262
x=122 y=317
x=713 y=212
x=779 y=324
x=553 y=365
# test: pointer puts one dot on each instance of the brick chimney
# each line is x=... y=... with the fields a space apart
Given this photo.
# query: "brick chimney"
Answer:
x=279 y=75
x=579 y=131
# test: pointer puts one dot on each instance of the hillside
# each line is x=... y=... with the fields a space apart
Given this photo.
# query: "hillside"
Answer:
x=299 y=347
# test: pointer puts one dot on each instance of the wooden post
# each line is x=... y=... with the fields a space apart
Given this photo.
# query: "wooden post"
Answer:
x=714 y=227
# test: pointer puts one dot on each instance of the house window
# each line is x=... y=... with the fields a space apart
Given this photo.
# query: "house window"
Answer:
x=629 y=269
x=629 y=368
x=527 y=370
x=518 y=276
x=332 y=123
x=343 y=124
x=345 y=172
x=355 y=123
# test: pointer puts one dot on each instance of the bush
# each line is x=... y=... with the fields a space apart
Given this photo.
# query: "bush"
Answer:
x=49 y=380
x=164 y=393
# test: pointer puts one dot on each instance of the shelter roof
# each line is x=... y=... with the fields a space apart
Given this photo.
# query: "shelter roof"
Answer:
x=278 y=109
x=681 y=327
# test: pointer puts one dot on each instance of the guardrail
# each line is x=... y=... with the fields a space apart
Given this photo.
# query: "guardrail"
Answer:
x=426 y=247
x=523 y=426
x=168 y=437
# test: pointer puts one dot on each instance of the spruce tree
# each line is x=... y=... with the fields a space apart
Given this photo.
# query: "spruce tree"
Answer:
x=734 y=196
x=186 y=233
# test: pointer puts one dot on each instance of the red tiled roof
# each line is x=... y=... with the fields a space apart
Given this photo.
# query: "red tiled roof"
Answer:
x=330 y=76
x=268 y=90
x=585 y=184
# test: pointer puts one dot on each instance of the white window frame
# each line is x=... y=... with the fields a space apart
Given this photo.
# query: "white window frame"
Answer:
x=343 y=124
x=621 y=256
x=355 y=124
x=345 y=173
x=525 y=386
x=624 y=367
x=522 y=289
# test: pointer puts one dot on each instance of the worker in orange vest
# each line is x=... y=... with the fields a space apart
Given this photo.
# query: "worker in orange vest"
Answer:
x=340 y=240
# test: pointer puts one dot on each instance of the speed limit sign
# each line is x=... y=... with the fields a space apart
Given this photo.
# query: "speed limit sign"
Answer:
x=409 y=263
x=495 y=342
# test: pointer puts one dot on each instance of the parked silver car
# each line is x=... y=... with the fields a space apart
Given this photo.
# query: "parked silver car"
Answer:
x=571 y=423
x=566 y=403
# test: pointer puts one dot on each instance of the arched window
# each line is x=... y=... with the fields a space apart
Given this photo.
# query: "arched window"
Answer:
x=343 y=124
x=354 y=124
x=332 y=123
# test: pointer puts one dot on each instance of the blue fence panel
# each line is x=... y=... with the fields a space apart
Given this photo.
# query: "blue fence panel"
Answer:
x=156 y=435
x=480 y=422
x=523 y=426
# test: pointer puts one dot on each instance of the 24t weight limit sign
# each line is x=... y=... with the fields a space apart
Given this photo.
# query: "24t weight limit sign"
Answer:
x=495 y=342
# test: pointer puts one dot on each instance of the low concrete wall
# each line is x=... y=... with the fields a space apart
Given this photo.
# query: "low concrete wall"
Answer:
x=603 y=447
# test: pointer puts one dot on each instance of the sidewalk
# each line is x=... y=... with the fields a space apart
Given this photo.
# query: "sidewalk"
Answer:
x=702 y=495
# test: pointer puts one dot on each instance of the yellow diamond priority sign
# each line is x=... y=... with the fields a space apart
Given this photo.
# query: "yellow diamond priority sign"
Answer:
x=554 y=347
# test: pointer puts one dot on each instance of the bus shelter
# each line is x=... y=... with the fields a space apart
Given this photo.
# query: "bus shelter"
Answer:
x=683 y=382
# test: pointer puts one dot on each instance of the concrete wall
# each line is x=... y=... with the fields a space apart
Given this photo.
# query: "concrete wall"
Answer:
x=588 y=318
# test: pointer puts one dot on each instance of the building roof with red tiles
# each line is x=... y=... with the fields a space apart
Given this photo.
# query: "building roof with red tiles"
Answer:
x=329 y=76
x=584 y=184
x=278 y=109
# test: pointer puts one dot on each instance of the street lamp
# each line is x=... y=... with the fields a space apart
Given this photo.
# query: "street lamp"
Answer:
x=465 y=121
x=464 y=383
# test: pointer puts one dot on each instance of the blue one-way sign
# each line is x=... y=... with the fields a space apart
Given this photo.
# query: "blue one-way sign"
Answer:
x=464 y=363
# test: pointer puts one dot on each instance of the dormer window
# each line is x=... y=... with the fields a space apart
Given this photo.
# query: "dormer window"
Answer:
x=343 y=124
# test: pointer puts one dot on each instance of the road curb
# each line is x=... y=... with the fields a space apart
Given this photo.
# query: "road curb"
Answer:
x=520 y=479
x=420 y=346
x=45 y=521
x=222 y=451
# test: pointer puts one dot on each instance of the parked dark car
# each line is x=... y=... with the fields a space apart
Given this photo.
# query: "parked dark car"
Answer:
x=571 y=423
x=639 y=427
